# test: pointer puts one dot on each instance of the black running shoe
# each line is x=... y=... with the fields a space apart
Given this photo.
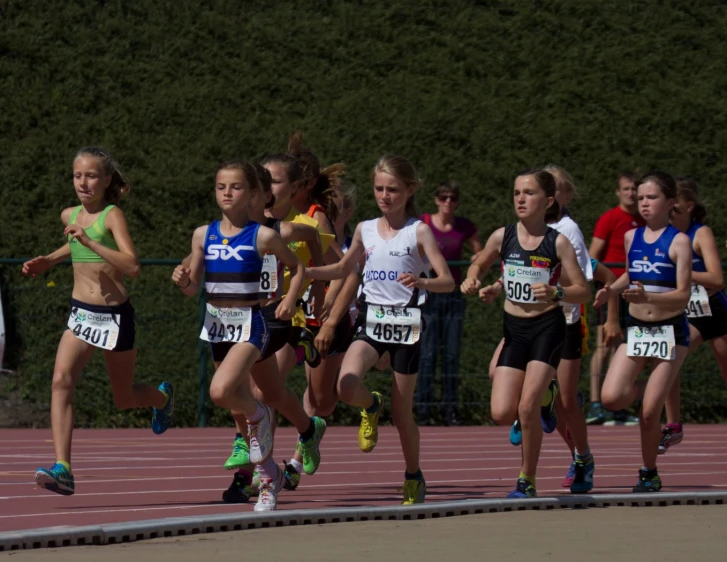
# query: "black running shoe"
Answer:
x=239 y=491
x=312 y=356
x=649 y=481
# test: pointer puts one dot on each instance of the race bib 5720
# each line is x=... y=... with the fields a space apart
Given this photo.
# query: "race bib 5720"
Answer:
x=656 y=341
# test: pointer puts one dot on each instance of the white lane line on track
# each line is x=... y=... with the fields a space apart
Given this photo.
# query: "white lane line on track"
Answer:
x=328 y=454
x=627 y=471
x=285 y=449
x=558 y=456
x=217 y=505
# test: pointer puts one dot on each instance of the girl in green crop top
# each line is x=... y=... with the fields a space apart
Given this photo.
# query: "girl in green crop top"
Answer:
x=101 y=316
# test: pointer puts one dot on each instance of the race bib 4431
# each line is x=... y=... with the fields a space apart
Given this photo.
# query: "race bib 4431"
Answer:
x=394 y=324
x=655 y=341
x=698 y=305
x=100 y=329
x=232 y=325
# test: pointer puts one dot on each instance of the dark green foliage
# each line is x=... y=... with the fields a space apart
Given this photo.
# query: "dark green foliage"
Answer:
x=473 y=91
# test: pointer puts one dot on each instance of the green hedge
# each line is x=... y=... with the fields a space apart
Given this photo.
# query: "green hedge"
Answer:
x=468 y=90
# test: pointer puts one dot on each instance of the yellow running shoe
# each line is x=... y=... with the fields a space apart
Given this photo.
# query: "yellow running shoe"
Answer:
x=368 y=433
x=414 y=491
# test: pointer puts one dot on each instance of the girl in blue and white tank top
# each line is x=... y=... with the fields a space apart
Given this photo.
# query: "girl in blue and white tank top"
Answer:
x=707 y=307
x=657 y=285
x=398 y=248
x=229 y=252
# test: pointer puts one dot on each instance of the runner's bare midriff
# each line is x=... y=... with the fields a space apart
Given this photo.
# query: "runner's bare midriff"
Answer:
x=98 y=283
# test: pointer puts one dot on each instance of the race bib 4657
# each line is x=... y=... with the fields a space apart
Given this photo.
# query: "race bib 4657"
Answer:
x=394 y=324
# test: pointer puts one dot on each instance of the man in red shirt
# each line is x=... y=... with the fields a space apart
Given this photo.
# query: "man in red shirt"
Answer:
x=607 y=247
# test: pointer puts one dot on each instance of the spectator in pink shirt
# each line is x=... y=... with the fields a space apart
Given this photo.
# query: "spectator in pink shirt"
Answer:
x=444 y=312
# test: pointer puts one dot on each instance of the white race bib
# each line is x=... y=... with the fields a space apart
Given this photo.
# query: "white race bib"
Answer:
x=698 y=305
x=232 y=325
x=657 y=341
x=100 y=329
x=269 y=274
x=572 y=312
x=519 y=279
x=308 y=304
x=393 y=324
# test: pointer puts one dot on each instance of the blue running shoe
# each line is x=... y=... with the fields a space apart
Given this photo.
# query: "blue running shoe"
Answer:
x=570 y=475
x=162 y=419
x=524 y=489
x=583 y=479
x=516 y=434
x=58 y=479
x=596 y=414
x=548 y=417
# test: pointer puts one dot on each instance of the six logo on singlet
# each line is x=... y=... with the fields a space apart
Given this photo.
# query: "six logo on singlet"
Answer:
x=648 y=267
x=224 y=252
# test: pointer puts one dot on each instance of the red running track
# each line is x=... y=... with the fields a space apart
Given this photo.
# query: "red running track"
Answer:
x=130 y=475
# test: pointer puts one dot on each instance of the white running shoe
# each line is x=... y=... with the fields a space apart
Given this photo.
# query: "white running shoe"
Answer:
x=261 y=436
x=267 y=499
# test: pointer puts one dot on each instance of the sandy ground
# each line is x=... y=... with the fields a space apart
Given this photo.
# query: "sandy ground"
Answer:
x=663 y=534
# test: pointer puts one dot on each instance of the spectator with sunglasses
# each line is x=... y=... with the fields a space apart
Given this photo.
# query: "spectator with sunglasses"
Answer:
x=444 y=312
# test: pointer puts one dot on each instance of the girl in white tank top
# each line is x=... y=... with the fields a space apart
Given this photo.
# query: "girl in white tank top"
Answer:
x=398 y=249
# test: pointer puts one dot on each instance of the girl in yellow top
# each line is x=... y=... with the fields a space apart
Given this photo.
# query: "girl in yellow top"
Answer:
x=101 y=316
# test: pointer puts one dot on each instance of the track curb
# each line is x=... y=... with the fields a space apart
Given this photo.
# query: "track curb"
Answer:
x=116 y=533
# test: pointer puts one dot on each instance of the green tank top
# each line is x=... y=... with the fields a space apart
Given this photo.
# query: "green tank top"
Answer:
x=96 y=232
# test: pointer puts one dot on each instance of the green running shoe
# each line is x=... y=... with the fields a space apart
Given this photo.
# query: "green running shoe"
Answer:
x=414 y=491
x=368 y=432
x=240 y=456
x=311 y=449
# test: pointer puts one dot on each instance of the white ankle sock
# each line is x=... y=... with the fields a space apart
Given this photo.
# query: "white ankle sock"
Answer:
x=297 y=465
x=268 y=469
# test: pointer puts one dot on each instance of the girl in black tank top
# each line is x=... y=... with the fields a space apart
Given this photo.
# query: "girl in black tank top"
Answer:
x=532 y=256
